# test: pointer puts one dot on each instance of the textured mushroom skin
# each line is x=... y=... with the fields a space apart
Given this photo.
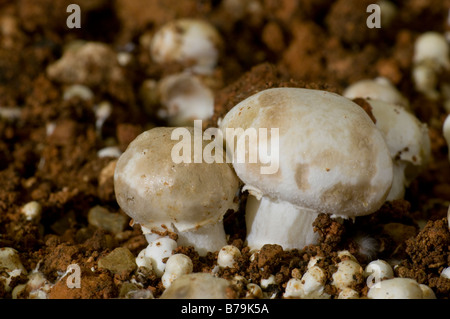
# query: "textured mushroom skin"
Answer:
x=158 y=194
x=332 y=158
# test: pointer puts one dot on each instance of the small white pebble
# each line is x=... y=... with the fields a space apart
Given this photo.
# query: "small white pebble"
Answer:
x=32 y=211
x=227 y=256
x=176 y=265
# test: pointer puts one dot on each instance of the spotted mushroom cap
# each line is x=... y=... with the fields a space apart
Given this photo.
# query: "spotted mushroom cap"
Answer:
x=158 y=193
x=332 y=158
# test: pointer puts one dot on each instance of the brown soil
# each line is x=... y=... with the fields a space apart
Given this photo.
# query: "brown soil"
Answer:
x=321 y=44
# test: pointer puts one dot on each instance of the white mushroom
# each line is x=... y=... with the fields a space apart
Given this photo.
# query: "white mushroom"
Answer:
x=10 y=266
x=446 y=133
x=227 y=256
x=408 y=142
x=330 y=156
x=156 y=252
x=32 y=211
x=185 y=98
x=348 y=293
x=432 y=48
x=187 y=41
x=310 y=286
x=431 y=55
x=378 y=270
x=376 y=89
x=396 y=288
x=176 y=265
x=198 y=286
x=189 y=199
x=344 y=277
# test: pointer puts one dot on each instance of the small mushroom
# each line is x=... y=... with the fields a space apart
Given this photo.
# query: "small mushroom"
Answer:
x=187 y=41
x=446 y=133
x=185 y=98
x=376 y=89
x=408 y=142
x=332 y=159
x=431 y=56
x=189 y=199
x=176 y=266
x=399 y=288
x=198 y=286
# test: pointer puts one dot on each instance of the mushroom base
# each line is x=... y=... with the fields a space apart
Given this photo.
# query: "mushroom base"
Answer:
x=206 y=239
x=281 y=223
x=209 y=238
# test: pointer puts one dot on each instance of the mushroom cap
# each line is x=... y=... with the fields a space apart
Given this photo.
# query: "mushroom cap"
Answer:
x=187 y=41
x=158 y=193
x=432 y=46
x=377 y=89
x=185 y=98
x=407 y=138
x=197 y=286
x=332 y=158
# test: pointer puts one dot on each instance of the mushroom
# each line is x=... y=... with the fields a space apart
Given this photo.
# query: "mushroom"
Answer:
x=189 y=199
x=446 y=133
x=378 y=270
x=430 y=57
x=227 y=256
x=176 y=266
x=185 y=98
x=187 y=41
x=408 y=142
x=377 y=89
x=198 y=286
x=332 y=159
x=399 y=288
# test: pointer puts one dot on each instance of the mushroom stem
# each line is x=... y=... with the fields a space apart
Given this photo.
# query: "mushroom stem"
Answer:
x=204 y=239
x=278 y=222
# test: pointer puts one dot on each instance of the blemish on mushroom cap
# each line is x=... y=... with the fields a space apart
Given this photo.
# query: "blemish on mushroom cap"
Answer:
x=349 y=169
x=155 y=191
